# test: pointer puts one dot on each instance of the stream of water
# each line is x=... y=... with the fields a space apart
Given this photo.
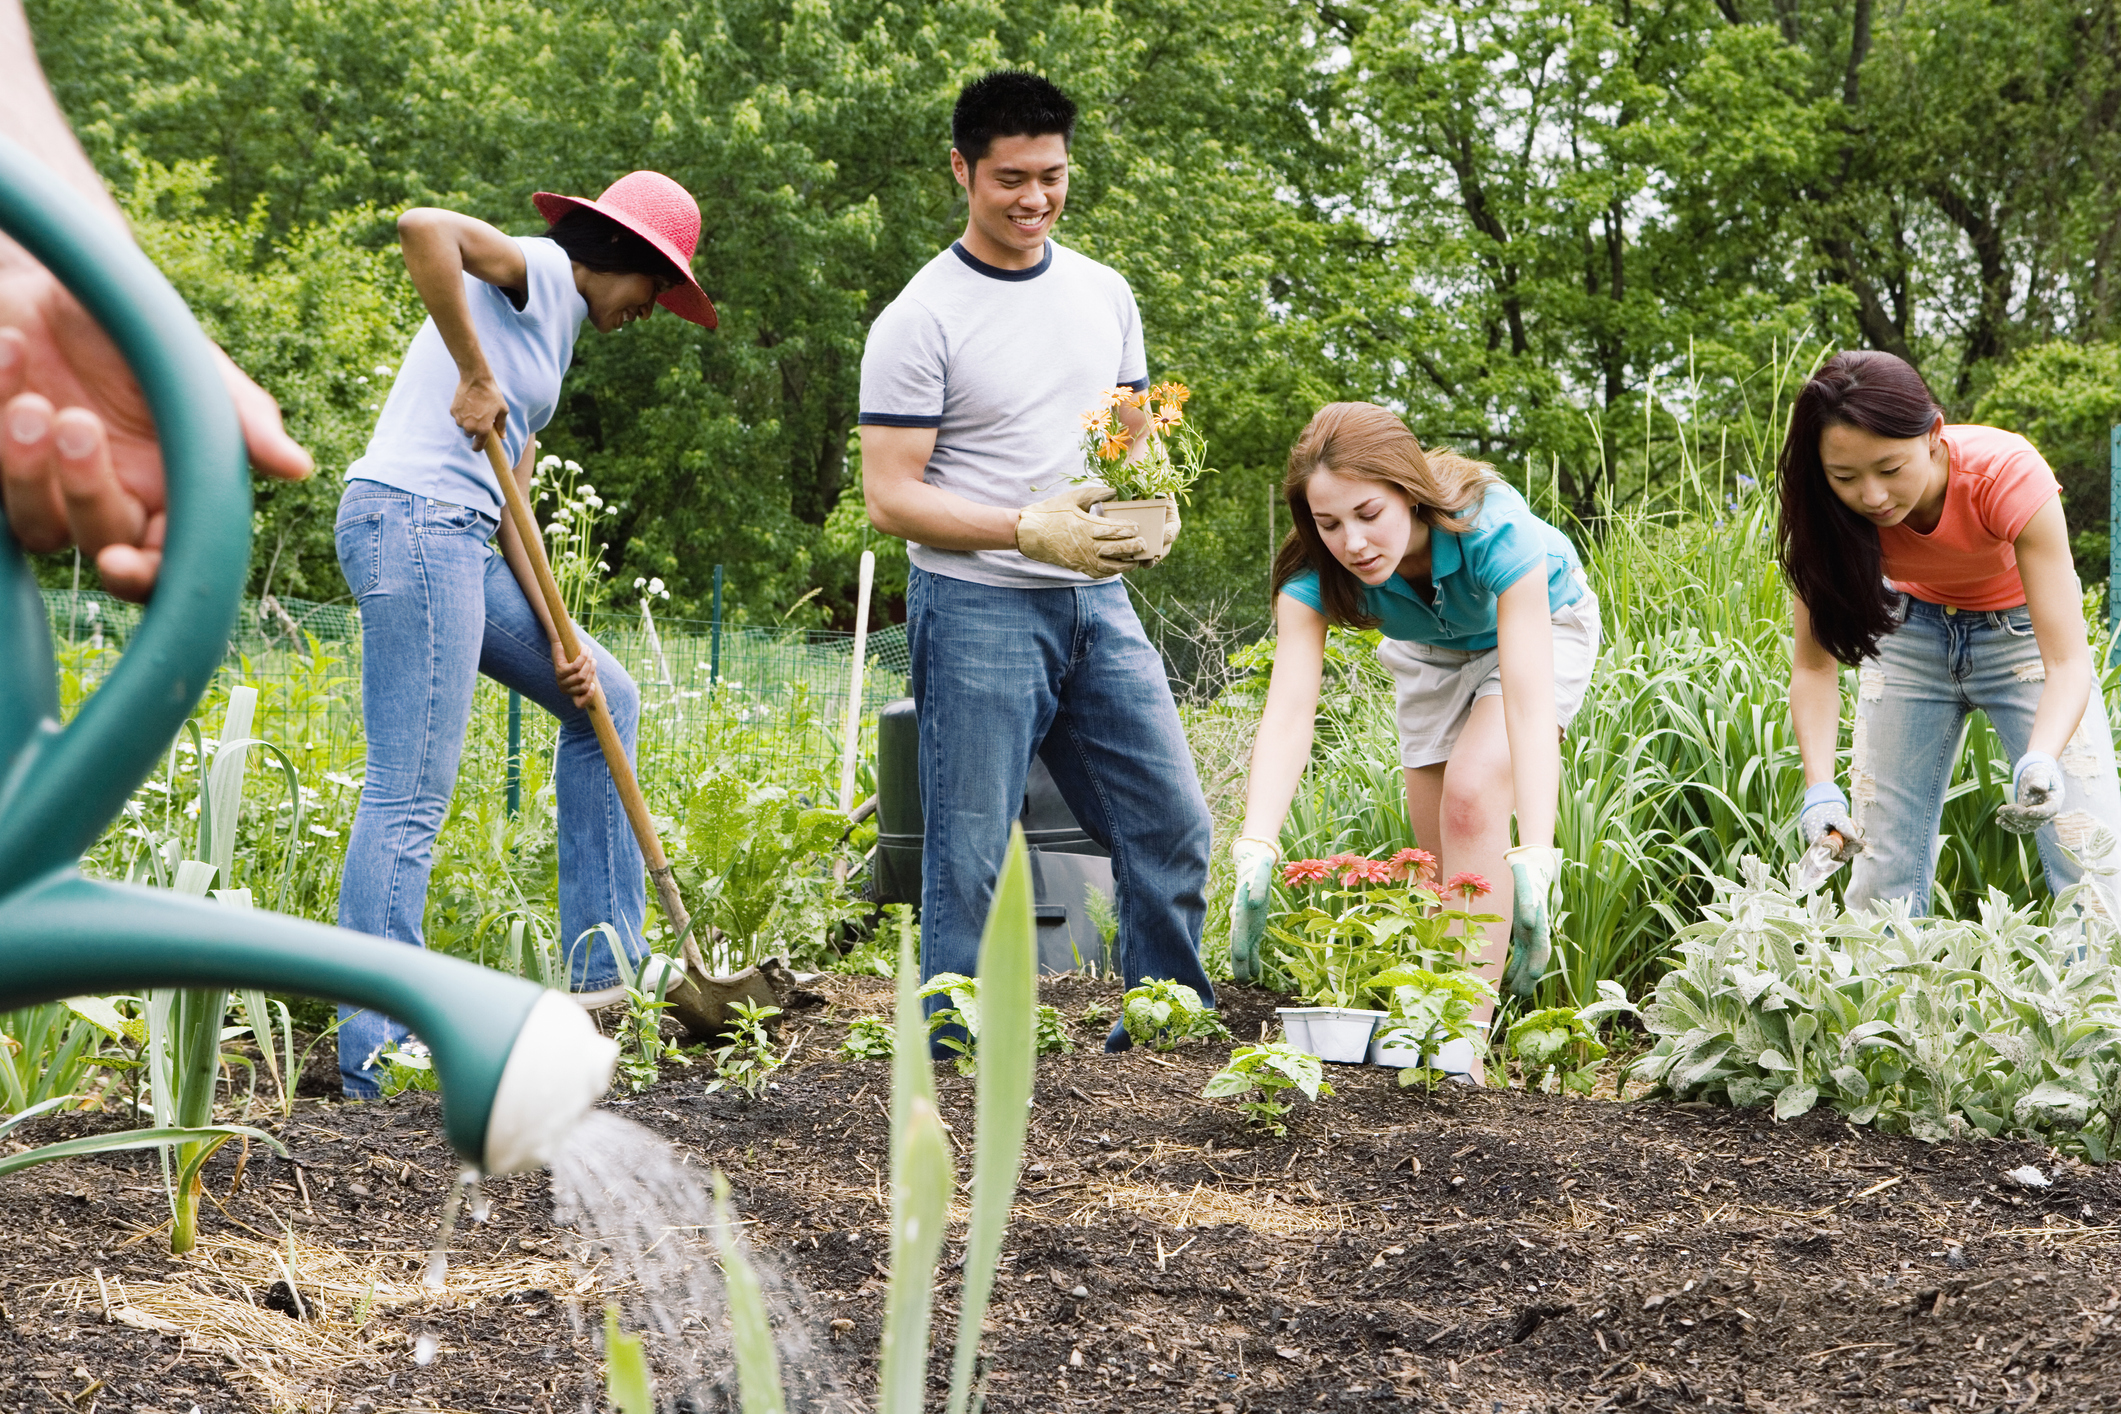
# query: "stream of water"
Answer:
x=645 y=1221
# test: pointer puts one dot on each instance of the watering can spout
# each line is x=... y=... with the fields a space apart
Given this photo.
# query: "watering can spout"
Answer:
x=519 y=1064
x=558 y=1067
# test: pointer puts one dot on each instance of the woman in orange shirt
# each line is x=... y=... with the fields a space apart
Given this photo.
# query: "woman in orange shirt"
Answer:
x=1934 y=559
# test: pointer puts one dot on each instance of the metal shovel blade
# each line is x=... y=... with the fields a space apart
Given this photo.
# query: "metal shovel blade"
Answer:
x=1817 y=865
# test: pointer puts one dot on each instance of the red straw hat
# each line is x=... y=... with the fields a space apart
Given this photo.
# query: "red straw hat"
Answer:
x=660 y=212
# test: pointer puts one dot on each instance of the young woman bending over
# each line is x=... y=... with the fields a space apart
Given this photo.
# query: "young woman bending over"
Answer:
x=1490 y=634
x=438 y=607
x=1934 y=559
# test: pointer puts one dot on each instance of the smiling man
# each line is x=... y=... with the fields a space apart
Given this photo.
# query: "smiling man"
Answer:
x=1023 y=639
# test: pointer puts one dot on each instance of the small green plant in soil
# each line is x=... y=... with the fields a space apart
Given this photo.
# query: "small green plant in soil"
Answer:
x=1163 y=1014
x=1096 y=1016
x=1265 y=1074
x=1104 y=917
x=642 y=1046
x=963 y=1012
x=748 y=1057
x=1426 y=1009
x=406 y=1067
x=1052 y=1038
x=1558 y=1049
x=626 y=1381
x=868 y=1038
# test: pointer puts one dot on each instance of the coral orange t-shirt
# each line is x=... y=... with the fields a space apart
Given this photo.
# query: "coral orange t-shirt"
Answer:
x=1995 y=482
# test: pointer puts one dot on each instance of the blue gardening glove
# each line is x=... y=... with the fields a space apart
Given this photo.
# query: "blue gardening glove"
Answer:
x=1533 y=872
x=1255 y=861
x=1825 y=810
x=2036 y=794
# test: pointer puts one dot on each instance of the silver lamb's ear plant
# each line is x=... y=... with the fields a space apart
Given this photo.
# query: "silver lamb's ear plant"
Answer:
x=922 y=1174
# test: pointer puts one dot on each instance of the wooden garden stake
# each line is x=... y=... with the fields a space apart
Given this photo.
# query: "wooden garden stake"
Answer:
x=526 y=524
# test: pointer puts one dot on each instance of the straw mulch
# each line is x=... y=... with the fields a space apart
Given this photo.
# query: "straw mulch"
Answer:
x=358 y=1308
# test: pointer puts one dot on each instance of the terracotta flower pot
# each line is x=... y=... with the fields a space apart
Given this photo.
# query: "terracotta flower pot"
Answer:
x=1148 y=517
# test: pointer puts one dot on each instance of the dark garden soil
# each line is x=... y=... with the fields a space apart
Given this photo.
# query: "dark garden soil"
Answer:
x=1491 y=1251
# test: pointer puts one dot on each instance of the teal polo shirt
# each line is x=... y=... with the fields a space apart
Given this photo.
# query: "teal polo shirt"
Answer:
x=1507 y=542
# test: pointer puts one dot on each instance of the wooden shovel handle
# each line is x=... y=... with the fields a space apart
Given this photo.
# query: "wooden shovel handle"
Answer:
x=526 y=524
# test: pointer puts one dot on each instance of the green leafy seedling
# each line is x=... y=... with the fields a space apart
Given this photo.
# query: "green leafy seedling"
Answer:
x=1163 y=1014
x=868 y=1038
x=962 y=1012
x=1267 y=1073
x=1052 y=1038
x=1557 y=1046
x=748 y=1057
x=405 y=1067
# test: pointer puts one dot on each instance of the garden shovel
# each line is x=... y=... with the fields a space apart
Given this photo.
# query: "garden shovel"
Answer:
x=666 y=887
x=1828 y=853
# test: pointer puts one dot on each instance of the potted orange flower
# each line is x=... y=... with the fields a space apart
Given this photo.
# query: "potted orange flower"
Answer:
x=1149 y=486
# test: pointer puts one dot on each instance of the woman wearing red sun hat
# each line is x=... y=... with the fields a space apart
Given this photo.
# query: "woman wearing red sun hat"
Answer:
x=438 y=607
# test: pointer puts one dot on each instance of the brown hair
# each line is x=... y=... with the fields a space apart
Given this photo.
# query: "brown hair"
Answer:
x=1363 y=439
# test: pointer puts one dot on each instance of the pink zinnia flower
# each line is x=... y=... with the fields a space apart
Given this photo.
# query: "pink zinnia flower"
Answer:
x=1471 y=885
x=1341 y=861
x=1305 y=871
x=1418 y=862
x=1366 y=871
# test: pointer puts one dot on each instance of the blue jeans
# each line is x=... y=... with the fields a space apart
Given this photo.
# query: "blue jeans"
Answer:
x=999 y=674
x=1911 y=706
x=438 y=608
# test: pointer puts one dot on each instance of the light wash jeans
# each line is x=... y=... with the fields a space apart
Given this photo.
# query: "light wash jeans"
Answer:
x=1911 y=706
x=438 y=608
x=1068 y=674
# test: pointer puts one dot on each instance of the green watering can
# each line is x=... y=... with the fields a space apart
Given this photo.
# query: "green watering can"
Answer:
x=519 y=1064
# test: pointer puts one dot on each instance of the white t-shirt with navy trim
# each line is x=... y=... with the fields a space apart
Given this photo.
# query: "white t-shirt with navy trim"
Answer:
x=417 y=446
x=1002 y=364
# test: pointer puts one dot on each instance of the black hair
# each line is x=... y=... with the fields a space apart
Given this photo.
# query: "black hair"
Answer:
x=1829 y=554
x=1009 y=103
x=596 y=242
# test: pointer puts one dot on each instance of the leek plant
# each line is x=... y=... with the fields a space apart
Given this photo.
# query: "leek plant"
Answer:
x=923 y=1175
x=185 y=1027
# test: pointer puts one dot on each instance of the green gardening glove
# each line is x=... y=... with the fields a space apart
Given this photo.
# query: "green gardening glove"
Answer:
x=1533 y=872
x=1255 y=860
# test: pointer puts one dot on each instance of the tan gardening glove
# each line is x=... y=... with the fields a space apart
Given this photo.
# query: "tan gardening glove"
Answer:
x=1061 y=531
x=1170 y=524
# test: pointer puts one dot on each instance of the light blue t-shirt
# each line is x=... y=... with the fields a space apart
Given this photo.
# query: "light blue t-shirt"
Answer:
x=1507 y=542
x=417 y=446
x=1002 y=364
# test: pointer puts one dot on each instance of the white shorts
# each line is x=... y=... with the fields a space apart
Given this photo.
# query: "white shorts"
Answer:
x=1437 y=687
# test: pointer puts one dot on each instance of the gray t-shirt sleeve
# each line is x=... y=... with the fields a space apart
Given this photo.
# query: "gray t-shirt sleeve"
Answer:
x=904 y=368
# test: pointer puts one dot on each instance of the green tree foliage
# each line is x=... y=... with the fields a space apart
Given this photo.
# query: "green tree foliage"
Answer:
x=1557 y=233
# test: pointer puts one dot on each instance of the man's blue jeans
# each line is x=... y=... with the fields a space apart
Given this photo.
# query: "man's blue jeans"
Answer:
x=438 y=608
x=1911 y=706
x=999 y=674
